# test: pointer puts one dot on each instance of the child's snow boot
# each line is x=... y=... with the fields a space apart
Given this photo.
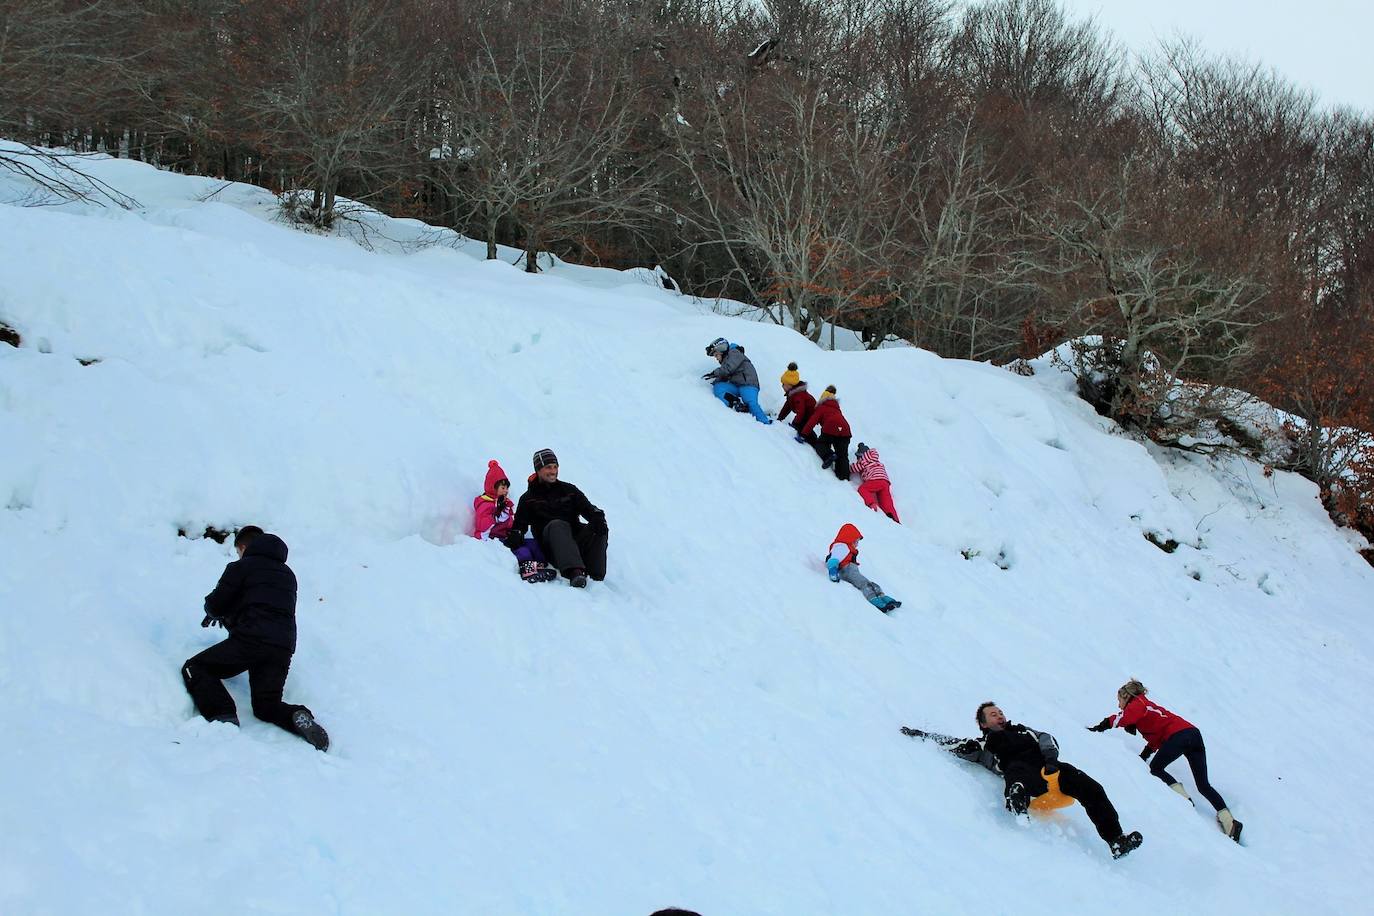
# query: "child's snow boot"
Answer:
x=304 y=724
x=530 y=571
x=1123 y=844
x=1228 y=824
x=546 y=573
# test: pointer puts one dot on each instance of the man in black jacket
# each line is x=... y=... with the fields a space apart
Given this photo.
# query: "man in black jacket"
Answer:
x=255 y=601
x=553 y=511
x=1023 y=757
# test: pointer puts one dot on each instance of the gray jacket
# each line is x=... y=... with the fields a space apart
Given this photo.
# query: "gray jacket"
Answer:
x=736 y=368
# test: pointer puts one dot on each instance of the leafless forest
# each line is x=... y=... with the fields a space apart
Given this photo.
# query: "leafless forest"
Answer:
x=983 y=179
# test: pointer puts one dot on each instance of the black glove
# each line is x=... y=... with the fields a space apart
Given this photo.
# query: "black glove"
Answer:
x=913 y=732
x=212 y=621
x=1147 y=754
x=710 y=376
x=1102 y=726
x=514 y=539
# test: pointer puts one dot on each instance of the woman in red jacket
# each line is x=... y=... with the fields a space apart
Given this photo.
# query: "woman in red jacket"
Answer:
x=1168 y=736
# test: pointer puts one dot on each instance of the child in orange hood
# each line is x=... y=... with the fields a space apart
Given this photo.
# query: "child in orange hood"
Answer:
x=843 y=563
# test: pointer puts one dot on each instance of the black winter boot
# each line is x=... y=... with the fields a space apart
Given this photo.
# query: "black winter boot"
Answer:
x=304 y=724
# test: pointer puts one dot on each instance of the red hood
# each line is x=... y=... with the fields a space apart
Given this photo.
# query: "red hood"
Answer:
x=848 y=535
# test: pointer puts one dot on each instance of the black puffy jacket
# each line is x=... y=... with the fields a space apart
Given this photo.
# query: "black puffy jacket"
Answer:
x=544 y=502
x=1014 y=751
x=256 y=596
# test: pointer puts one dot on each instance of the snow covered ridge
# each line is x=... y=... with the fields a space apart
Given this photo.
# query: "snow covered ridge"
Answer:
x=716 y=725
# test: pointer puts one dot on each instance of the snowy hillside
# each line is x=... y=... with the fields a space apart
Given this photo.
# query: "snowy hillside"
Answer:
x=716 y=725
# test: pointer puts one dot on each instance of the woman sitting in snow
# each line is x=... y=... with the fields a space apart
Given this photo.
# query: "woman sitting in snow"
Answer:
x=876 y=489
x=493 y=514
x=843 y=563
x=1168 y=736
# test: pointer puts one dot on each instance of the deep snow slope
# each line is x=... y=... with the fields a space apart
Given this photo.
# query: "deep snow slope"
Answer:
x=715 y=726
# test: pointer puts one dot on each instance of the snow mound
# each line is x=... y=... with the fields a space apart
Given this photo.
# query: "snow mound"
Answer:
x=716 y=725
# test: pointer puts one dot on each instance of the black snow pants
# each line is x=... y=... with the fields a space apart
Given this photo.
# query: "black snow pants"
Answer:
x=836 y=448
x=267 y=666
x=569 y=548
x=1187 y=744
x=1023 y=785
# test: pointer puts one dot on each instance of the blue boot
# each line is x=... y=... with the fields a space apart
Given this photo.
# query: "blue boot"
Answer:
x=884 y=603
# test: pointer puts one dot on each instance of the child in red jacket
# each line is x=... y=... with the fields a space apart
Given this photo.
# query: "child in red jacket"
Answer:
x=876 y=489
x=1168 y=736
x=493 y=516
x=835 y=435
x=798 y=404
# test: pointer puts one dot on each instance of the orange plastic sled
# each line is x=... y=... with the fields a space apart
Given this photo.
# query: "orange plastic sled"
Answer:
x=1053 y=799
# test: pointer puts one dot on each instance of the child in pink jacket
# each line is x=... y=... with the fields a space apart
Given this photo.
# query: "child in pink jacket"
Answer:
x=493 y=515
x=876 y=489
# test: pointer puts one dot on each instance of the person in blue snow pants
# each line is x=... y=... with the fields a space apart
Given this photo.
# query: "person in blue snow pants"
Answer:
x=749 y=394
x=735 y=375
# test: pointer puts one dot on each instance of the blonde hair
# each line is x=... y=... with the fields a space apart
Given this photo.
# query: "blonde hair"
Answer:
x=1130 y=689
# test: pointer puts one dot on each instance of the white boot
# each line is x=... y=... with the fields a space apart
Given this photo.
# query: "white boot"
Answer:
x=1182 y=790
x=1228 y=824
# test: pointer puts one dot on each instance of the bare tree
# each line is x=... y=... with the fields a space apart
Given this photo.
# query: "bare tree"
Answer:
x=62 y=64
x=957 y=273
x=327 y=88
x=1028 y=56
x=1155 y=292
x=790 y=166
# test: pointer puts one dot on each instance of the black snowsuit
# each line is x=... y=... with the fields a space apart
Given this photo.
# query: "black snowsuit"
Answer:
x=1017 y=754
x=553 y=512
x=256 y=601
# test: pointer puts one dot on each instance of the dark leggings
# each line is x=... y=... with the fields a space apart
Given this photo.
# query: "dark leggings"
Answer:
x=1187 y=743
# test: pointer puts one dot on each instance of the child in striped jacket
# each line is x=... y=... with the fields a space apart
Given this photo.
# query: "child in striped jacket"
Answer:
x=876 y=488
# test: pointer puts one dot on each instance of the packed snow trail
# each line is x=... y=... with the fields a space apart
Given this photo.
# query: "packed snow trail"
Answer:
x=716 y=725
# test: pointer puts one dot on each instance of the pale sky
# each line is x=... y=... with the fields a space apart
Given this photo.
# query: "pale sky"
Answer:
x=1324 y=45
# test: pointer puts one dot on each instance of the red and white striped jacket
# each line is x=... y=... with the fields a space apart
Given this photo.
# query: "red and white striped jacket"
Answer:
x=870 y=466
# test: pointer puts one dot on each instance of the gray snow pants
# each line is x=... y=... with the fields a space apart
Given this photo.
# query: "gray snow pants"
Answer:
x=857 y=579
